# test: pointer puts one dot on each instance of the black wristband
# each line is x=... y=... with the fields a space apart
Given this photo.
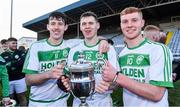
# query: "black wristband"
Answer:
x=115 y=78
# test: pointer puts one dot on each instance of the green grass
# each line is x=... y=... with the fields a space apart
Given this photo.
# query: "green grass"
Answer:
x=174 y=96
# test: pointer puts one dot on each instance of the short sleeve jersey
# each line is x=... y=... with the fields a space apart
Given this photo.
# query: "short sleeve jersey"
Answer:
x=150 y=63
x=41 y=57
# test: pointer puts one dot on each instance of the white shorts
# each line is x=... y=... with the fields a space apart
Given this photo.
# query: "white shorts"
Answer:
x=18 y=86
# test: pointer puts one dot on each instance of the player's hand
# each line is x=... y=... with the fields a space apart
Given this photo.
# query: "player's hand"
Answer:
x=6 y=101
x=109 y=72
x=56 y=72
x=63 y=83
x=102 y=87
x=103 y=47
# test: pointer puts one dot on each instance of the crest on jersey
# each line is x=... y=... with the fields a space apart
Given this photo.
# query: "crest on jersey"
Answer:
x=16 y=56
x=139 y=59
x=65 y=53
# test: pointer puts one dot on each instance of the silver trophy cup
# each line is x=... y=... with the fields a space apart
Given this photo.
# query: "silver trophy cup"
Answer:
x=82 y=80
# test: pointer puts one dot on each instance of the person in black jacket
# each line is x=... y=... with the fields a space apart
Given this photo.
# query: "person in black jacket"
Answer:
x=14 y=63
x=176 y=71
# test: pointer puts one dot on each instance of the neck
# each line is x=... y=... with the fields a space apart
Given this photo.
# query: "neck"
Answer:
x=131 y=43
x=91 y=41
x=55 y=41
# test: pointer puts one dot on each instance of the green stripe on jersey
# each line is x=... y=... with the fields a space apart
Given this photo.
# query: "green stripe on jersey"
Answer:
x=134 y=60
x=167 y=62
x=53 y=55
x=162 y=83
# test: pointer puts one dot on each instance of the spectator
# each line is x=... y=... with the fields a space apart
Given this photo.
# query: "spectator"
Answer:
x=176 y=73
x=4 y=45
x=152 y=32
x=14 y=63
x=22 y=48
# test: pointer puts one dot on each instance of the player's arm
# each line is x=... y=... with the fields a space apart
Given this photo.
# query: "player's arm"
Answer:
x=38 y=79
x=5 y=81
x=147 y=91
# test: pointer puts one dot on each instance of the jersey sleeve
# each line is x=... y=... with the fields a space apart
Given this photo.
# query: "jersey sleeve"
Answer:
x=112 y=58
x=31 y=64
x=73 y=42
x=70 y=57
x=4 y=78
x=160 y=71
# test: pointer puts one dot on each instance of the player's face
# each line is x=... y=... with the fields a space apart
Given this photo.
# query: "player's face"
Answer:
x=89 y=27
x=131 y=25
x=56 y=28
x=12 y=45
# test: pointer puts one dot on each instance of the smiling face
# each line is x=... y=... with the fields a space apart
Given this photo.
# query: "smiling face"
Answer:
x=89 y=27
x=56 y=27
x=131 y=25
x=12 y=45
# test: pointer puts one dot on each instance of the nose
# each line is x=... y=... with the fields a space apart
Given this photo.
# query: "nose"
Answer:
x=87 y=26
x=129 y=24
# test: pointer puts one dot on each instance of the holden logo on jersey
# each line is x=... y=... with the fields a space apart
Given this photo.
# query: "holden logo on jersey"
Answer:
x=139 y=59
x=16 y=56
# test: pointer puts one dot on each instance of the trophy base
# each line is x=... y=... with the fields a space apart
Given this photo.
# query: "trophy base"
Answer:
x=83 y=105
x=83 y=102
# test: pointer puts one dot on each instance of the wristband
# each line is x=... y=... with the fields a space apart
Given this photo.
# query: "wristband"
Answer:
x=115 y=78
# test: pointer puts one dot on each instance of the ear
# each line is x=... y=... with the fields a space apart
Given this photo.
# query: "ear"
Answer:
x=47 y=26
x=142 y=23
x=66 y=27
x=98 y=25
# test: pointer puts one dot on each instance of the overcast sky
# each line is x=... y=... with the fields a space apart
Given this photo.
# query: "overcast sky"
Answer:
x=23 y=11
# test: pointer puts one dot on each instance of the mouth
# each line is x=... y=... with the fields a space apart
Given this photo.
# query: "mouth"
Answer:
x=130 y=31
x=87 y=31
x=56 y=32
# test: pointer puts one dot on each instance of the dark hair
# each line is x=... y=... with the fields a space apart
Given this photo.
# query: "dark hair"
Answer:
x=3 y=41
x=22 y=48
x=12 y=39
x=89 y=13
x=58 y=15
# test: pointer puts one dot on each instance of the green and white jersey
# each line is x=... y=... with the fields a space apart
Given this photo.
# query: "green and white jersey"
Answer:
x=150 y=63
x=41 y=57
x=91 y=55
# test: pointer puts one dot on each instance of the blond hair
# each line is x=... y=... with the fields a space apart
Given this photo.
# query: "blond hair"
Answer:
x=150 y=28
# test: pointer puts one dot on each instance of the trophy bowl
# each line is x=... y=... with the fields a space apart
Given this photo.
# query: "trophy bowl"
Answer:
x=82 y=81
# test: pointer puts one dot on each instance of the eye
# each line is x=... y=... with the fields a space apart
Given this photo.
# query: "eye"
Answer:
x=134 y=20
x=91 y=23
x=124 y=21
x=52 y=23
x=83 y=23
x=61 y=23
